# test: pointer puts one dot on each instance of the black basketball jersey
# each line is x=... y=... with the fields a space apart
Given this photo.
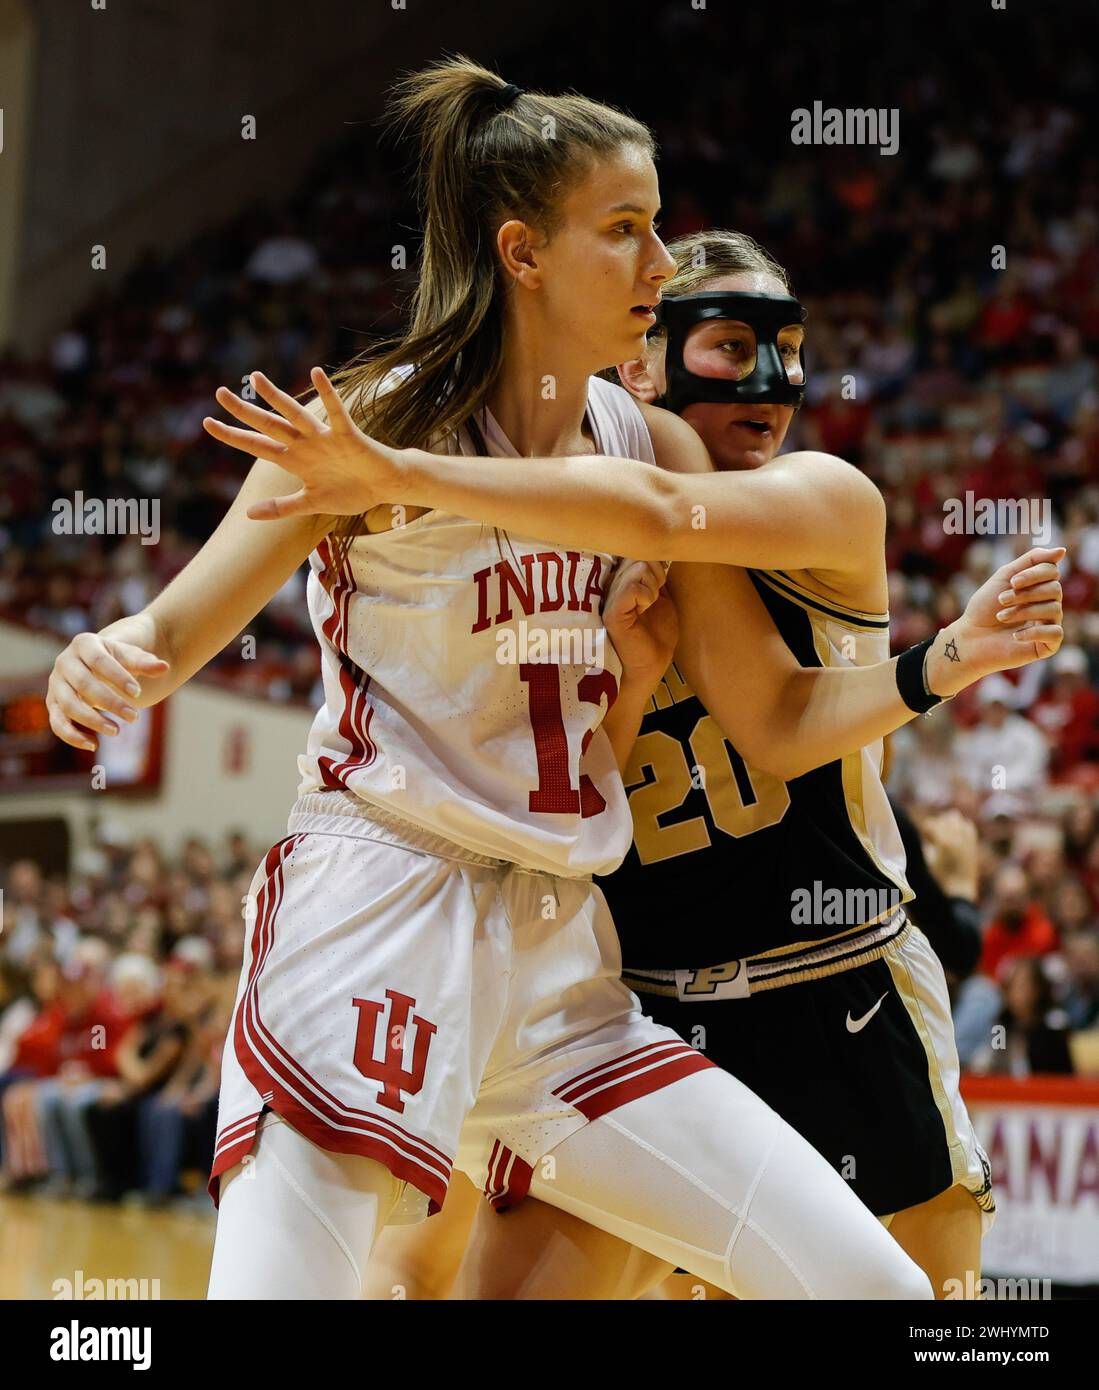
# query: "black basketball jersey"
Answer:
x=728 y=861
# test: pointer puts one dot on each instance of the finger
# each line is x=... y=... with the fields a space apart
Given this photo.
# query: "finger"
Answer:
x=286 y=405
x=95 y=694
x=136 y=657
x=1037 y=574
x=258 y=445
x=69 y=703
x=67 y=732
x=646 y=591
x=1029 y=613
x=251 y=414
x=278 y=508
x=1037 y=593
x=338 y=417
x=101 y=656
x=1049 y=633
x=1036 y=555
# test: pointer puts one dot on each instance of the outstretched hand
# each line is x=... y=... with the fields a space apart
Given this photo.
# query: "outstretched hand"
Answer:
x=342 y=471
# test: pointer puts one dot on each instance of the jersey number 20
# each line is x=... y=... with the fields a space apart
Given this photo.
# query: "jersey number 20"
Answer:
x=672 y=781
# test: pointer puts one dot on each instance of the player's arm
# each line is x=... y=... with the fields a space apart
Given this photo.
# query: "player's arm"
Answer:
x=783 y=515
x=623 y=721
x=786 y=719
x=781 y=717
x=641 y=622
x=221 y=589
x=777 y=516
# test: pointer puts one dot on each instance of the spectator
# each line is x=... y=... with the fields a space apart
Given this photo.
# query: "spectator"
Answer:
x=1071 y=910
x=1004 y=751
x=85 y=1030
x=283 y=258
x=17 y=1010
x=29 y=927
x=177 y=1123
x=1081 y=1001
x=23 y=1152
x=1030 y=1036
x=147 y=1056
x=1018 y=926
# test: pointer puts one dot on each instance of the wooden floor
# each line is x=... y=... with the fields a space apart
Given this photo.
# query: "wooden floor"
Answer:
x=43 y=1241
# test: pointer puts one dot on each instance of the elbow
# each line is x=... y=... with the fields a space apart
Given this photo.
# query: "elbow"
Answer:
x=791 y=751
x=784 y=753
x=669 y=519
x=772 y=756
x=775 y=763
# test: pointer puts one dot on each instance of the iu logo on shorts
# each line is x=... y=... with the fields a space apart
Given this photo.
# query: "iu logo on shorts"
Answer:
x=391 y=1071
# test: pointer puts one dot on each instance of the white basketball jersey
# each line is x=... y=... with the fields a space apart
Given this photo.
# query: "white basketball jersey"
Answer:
x=466 y=678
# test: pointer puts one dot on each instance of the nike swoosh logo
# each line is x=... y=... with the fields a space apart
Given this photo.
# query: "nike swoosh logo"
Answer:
x=856 y=1025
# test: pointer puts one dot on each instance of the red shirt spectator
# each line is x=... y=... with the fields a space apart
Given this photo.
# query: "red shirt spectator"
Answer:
x=64 y=1033
x=1005 y=319
x=1020 y=926
x=1032 y=935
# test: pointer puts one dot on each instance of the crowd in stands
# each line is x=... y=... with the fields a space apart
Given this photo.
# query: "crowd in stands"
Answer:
x=116 y=987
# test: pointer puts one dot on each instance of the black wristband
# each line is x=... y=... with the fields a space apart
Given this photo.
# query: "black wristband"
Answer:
x=910 y=679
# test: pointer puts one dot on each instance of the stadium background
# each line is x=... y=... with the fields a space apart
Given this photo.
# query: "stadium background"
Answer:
x=121 y=904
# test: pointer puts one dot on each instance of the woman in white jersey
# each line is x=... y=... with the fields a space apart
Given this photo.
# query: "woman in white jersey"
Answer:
x=431 y=977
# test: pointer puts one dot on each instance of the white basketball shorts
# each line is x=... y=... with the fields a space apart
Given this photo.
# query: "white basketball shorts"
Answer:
x=406 y=1000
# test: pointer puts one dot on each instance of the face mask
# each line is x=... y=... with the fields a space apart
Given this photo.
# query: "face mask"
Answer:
x=763 y=379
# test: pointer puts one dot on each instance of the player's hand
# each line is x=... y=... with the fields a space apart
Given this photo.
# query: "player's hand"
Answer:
x=91 y=675
x=951 y=847
x=343 y=472
x=1014 y=618
x=641 y=620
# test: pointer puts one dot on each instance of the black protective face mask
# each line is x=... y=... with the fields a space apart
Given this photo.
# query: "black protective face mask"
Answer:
x=766 y=384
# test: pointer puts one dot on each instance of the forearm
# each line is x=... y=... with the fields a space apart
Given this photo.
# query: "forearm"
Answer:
x=593 y=503
x=806 y=718
x=623 y=723
x=811 y=515
x=829 y=712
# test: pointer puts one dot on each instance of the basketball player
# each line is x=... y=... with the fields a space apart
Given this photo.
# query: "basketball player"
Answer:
x=779 y=1001
x=431 y=974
